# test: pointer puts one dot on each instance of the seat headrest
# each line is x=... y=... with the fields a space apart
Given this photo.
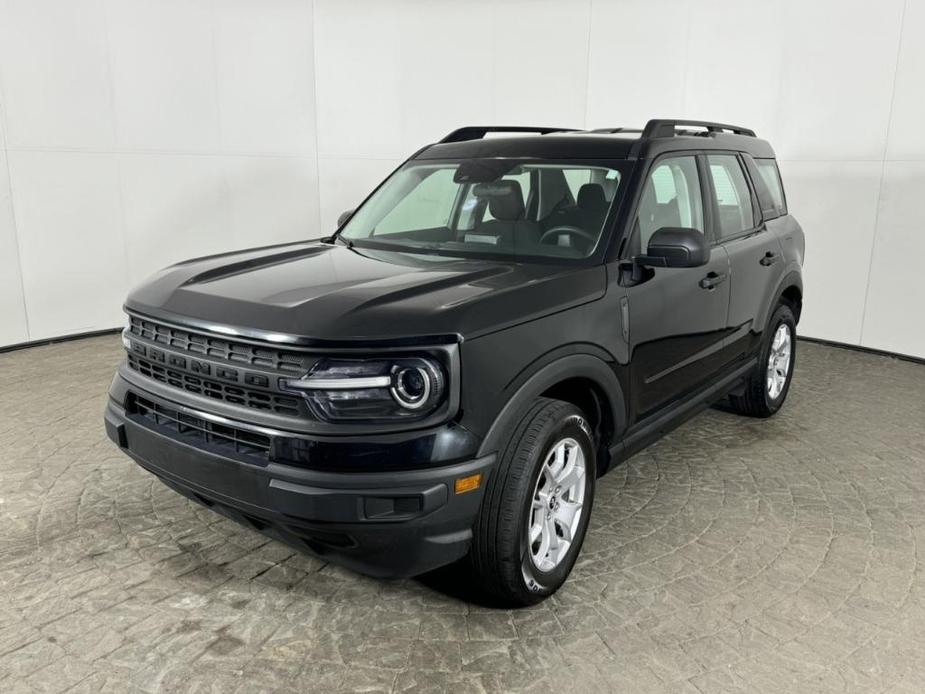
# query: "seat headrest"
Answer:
x=591 y=196
x=505 y=199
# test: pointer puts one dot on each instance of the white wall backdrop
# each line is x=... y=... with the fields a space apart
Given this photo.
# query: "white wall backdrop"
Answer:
x=135 y=133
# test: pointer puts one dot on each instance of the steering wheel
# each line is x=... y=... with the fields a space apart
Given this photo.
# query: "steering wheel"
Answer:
x=568 y=229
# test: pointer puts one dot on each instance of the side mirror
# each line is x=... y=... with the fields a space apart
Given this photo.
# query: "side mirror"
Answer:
x=676 y=247
x=344 y=216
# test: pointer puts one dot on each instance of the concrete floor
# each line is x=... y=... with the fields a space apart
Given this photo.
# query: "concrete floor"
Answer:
x=734 y=555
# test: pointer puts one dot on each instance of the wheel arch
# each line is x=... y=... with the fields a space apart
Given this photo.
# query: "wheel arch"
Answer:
x=585 y=380
x=789 y=289
x=793 y=295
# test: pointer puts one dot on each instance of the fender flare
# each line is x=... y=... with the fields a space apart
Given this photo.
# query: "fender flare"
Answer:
x=528 y=388
x=791 y=278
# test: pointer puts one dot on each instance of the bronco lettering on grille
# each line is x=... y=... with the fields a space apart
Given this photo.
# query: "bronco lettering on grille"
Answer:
x=200 y=367
x=227 y=374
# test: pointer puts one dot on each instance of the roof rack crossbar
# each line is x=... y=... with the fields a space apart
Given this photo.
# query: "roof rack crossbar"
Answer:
x=658 y=127
x=477 y=132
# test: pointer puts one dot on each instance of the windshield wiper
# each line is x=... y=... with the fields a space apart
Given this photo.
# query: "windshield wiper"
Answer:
x=337 y=237
x=334 y=238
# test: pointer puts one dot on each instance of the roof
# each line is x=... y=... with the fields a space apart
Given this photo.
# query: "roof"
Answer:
x=608 y=143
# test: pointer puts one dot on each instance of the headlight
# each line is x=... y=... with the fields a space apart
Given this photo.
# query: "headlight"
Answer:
x=126 y=332
x=373 y=389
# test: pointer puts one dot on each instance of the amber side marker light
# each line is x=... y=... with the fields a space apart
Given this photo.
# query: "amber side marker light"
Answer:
x=468 y=484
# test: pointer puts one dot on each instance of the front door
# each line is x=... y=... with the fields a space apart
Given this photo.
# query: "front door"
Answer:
x=676 y=316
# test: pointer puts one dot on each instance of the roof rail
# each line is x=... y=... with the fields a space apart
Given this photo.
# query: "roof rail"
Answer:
x=477 y=132
x=611 y=131
x=658 y=127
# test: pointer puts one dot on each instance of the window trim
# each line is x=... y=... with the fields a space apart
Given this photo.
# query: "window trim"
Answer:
x=780 y=180
x=717 y=238
x=626 y=242
x=783 y=212
x=754 y=176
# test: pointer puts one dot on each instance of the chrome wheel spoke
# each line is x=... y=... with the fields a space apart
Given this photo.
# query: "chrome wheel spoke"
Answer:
x=570 y=476
x=550 y=531
x=558 y=462
x=544 y=485
x=566 y=514
x=543 y=549
x=535 y=531
x=566 y=536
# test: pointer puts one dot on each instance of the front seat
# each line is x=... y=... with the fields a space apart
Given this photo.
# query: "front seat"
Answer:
x=506 y=205
x=592 y=203
x=588 y=212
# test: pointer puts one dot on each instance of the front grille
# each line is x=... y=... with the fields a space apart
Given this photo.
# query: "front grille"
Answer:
x=226 y=392
x=230 y=441
x=219 y=348
x=232 y=371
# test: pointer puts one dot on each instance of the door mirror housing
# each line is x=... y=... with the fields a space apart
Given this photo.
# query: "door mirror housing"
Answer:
x=344 y=217
x=676 y=247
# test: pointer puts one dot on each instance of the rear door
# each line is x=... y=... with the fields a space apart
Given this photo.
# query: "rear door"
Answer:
x=755 y=255
x=676 y=316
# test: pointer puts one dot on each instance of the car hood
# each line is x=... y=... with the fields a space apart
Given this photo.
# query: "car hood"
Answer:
x=318 y=291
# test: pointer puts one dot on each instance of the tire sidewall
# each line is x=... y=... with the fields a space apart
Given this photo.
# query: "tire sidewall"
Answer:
x=536 y=583
x=782 y=315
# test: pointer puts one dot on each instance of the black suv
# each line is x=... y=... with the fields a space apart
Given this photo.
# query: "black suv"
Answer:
x=506 y=317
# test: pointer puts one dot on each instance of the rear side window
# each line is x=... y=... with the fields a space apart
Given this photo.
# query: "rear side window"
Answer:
x=770 y=176
x=733 y=196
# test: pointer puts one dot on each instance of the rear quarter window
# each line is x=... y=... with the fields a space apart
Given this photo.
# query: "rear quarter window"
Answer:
x=768 y=187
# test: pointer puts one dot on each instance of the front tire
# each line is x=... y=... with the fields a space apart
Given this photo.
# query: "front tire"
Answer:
x=767 y=388
x=536 y=507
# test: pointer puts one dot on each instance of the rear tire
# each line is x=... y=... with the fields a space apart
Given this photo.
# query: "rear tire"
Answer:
x=541 y=492
x=767 y=388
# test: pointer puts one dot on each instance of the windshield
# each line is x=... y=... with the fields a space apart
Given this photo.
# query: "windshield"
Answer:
x=523 y=209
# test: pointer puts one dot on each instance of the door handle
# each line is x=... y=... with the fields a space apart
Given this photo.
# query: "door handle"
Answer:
x=769 y=258
x=712 y=279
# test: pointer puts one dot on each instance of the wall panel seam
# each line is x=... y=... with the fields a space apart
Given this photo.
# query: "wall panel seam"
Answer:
x=120 y=184
x=158 y=152
x=584 y=123
x=886 y=143
x=9 y=187
x=315 y=115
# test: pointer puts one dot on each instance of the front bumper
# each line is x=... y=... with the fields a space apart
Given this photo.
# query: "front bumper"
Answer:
x=388 y=524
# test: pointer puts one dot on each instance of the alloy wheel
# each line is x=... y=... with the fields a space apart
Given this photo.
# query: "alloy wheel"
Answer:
x=558 y=498
x=779 y=361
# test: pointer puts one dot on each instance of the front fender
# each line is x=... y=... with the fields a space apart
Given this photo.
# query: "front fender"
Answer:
x=528 y=386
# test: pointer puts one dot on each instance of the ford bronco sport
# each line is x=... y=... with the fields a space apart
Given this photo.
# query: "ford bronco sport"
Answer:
x=505 y=318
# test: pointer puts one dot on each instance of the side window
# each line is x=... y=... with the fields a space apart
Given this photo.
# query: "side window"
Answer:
x=770 y=174
x=733 y=197
x=427 y=206
x=670 y=198
x=766 y=182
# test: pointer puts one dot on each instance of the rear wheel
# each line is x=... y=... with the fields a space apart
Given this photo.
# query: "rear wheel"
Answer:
x=536 y=507
x=766 y=389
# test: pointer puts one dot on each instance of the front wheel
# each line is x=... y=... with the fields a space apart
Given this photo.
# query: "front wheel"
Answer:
x=536 y=507
x=766 y=389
